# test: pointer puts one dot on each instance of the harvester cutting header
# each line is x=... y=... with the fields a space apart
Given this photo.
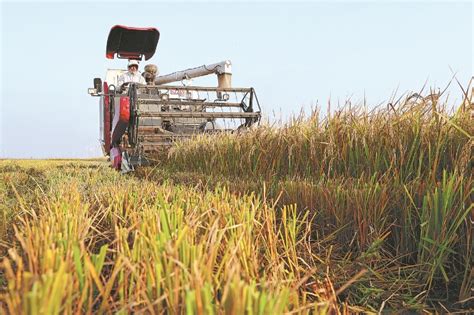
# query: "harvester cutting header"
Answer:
x=141 y=114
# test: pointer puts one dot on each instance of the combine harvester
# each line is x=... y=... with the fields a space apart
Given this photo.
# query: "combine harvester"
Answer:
x=137 y=120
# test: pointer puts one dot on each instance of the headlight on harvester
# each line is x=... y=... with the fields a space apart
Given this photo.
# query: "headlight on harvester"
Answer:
x=165 y=97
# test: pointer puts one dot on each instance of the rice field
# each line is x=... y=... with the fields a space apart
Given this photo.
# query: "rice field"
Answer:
x=355 y=212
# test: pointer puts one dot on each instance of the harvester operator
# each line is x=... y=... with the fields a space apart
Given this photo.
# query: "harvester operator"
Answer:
x=132 y=75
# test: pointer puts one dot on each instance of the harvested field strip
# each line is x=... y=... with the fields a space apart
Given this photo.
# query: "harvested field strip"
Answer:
x=90 y=239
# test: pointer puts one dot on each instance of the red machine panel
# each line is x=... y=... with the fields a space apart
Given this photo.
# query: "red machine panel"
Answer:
x=121 y=119
x=125 y=108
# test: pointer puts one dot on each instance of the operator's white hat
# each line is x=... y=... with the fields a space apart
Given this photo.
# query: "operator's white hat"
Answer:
x=132 y=62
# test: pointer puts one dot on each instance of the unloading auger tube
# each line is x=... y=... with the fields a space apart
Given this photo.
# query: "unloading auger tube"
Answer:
x=140 y=120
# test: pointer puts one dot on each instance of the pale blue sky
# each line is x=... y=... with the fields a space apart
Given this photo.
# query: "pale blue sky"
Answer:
x=295 y=55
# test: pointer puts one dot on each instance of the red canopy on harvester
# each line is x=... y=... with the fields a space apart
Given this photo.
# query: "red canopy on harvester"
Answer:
x=132 y=42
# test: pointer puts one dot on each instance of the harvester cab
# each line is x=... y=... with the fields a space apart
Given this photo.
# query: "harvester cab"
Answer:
x=138 y=120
